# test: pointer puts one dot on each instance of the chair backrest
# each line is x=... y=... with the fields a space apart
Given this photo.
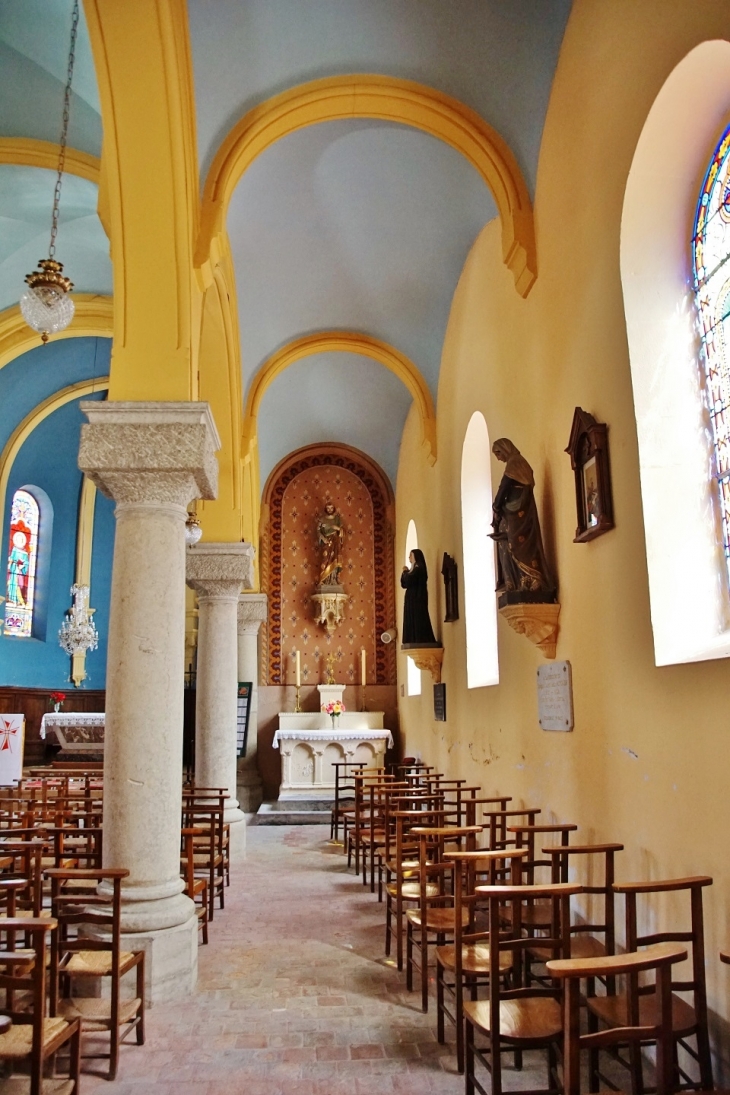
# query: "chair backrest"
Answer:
x=604 y=855
x=497 y=821
x=525 y=838
x=692 y=933
x=24 y=972
x=660 y=958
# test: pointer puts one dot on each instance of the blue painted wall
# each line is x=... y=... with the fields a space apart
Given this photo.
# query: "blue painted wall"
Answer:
x=48 y=460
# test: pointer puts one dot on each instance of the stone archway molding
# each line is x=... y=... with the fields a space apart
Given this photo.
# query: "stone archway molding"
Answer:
x=352 y=342
x=391 y=100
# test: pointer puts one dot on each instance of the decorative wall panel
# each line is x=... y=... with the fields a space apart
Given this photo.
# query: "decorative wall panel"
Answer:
x=294 y=498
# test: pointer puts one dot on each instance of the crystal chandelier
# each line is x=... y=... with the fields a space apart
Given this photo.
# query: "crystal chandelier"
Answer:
x=78 y=633
x=46 y=305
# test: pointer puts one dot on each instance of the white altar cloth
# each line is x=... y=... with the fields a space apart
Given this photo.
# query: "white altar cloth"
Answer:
x=76 y=731
x=309 y=747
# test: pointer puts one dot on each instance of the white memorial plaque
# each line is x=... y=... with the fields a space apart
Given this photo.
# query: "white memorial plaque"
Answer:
x=12 y=740
x=555 y=696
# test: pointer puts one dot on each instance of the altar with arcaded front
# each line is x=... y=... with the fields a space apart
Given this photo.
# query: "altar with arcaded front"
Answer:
x=310 y=745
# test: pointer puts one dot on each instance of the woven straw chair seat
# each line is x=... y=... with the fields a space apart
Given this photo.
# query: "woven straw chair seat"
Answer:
x=97 y=963
x=20 y=1085
x=95 y=1013
x=18 y=1042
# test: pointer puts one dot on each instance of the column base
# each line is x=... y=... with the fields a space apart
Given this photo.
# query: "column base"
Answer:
x=170 y=963
x=250 y=790
x=171 y=960
x=237 y=833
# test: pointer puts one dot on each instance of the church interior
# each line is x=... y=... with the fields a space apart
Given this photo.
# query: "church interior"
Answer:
x=365 y=524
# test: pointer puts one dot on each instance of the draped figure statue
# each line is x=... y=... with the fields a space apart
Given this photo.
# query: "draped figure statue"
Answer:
x=416 y=620
x=331 y=539
x=521 y=564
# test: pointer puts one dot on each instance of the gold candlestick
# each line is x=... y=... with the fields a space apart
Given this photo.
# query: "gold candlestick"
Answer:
x=297 y=705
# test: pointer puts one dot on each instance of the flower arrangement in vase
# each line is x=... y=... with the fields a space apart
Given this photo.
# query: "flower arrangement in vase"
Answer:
x=334 y=710
x=57 y=699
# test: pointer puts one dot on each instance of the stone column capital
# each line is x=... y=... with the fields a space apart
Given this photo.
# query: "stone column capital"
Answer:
x=156 y=453
x=219 y=570
x=253 y=609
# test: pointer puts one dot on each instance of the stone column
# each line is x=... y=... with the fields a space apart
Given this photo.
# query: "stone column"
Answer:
x=152 y=459
x=252 y=610
x=216 y=572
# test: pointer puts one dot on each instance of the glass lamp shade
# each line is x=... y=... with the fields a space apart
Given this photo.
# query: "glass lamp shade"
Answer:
x=47 y=309
x=193 y=531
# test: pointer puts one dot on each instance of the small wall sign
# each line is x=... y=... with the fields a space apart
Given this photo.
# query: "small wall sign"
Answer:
x=555 y=696
x=439 y=702
x=244 y=711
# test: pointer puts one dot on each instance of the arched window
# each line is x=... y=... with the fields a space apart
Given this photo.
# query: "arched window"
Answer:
x=413 y=679
x=685 y=554
x=710 y=255
x=22 y=563
x=480 y=602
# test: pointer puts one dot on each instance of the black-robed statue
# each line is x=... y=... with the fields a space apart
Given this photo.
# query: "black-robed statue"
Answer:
x=522 y=570
x=416 y=620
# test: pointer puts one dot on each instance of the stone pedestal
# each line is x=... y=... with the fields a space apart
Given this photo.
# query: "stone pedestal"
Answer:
x=252 y=611
x=216 y=572
x=152 y=459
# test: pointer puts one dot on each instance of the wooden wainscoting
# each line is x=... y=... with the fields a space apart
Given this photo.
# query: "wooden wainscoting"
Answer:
x=33 y=703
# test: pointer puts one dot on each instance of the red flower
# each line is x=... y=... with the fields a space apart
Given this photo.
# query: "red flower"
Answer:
x=58 y=697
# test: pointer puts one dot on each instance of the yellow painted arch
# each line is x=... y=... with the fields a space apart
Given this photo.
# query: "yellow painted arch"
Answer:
x=27 y=152
x=351 y=342
x=93 y=318
x=392 y=100
x=25 y=428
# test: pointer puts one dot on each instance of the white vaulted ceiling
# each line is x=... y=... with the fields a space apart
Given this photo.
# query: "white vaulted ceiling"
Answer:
x=355 y=225
x=361 y=225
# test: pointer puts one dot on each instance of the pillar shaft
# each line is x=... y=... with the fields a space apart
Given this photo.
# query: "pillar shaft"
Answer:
x=252 y=611
x=216 y=572
x=152 y=458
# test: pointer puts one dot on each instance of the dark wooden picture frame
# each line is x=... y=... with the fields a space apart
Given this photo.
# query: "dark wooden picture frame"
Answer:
x=450 y=572
x=588 y=451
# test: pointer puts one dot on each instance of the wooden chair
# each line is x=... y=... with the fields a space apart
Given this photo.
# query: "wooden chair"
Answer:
x=688 y=1020
x=34 y=1038
x=194 y=887
x=344 y=803
x=75 y=956
x=517 y=1017
x=435 y=914
x=208 y=848
x=464 y=965
x=402 y=886
x=202 y=797
x=660 y=958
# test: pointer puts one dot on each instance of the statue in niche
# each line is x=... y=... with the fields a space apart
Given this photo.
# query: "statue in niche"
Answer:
x=331 y=540
x=417 y=628
x=523 y=575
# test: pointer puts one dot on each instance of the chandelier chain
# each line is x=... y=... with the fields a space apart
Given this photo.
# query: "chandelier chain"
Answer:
x=64 y=129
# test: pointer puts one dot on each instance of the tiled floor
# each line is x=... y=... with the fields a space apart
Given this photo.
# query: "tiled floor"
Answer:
x=293 y=995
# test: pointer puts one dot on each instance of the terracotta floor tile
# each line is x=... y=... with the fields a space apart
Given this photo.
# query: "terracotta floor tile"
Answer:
x=294 y=996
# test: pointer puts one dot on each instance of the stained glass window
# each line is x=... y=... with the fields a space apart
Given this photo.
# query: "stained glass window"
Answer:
x=21 y=566
x=711 y=257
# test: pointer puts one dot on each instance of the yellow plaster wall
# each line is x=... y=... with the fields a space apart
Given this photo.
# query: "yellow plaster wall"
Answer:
x=648 y=763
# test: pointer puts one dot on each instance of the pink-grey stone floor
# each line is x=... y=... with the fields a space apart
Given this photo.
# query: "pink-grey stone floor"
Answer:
x=294 y=996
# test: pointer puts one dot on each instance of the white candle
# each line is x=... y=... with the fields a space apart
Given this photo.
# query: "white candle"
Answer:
x=298 y=669
x=363 y=667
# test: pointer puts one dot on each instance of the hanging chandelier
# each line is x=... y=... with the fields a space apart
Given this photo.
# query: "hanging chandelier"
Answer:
x=78 y=632
x=46 y=305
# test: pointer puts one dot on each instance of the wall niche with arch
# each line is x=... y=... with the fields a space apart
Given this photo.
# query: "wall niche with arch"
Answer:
x=294 y=497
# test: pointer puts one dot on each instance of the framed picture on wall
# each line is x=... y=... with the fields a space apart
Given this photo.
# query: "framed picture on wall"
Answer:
x=588 y=451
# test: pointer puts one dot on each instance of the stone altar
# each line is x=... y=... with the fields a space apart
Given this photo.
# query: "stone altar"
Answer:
x=77 y=732
x=309 y=745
